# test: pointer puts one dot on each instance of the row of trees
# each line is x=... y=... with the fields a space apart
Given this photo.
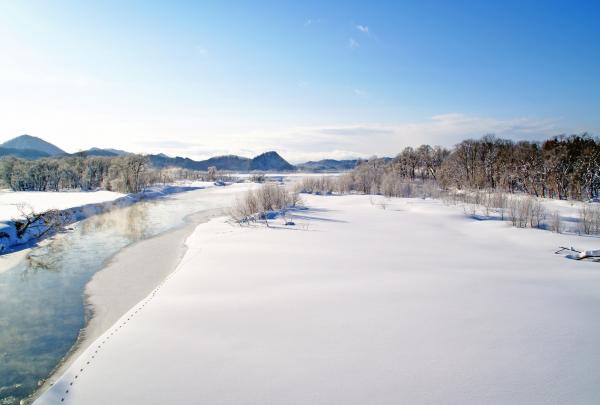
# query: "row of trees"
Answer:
x=128 y=174
x=561 y=167
x=564 y=167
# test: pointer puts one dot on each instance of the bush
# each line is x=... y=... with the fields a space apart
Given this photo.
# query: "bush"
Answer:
x=589 y=219
x=256 y=204
x=317 y=185
x=526 y=211
x=556 y=222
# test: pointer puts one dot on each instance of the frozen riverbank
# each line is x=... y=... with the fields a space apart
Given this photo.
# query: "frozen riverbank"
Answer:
x=42 y=295
x=130 y=276
x=74 y=206
x=415 y=304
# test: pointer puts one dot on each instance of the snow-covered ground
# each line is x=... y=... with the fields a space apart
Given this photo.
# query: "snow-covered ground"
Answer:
x=43 y=201
x=413 y=304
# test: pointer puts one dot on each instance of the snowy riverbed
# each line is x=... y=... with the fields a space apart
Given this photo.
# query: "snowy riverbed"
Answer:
x=416 y=303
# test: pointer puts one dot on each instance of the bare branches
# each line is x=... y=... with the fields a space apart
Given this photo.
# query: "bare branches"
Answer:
x=262 y=203
x=39 y=223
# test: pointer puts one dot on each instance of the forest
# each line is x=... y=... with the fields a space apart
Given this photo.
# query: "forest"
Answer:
x=126 y=174
x=563 y=167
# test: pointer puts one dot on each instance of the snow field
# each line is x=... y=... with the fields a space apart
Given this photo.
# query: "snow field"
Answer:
x=415 y=303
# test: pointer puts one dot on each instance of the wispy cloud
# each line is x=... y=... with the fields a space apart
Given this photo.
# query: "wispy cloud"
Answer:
x=200 y=50
x=312 y=21
x=360 y=92
x=299 y=144
x=362 y=28
x=353 y=43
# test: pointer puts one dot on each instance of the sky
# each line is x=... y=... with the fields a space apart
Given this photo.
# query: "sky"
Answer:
x=309 y=79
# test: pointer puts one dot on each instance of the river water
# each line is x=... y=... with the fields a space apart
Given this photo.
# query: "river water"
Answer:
x=41 y=297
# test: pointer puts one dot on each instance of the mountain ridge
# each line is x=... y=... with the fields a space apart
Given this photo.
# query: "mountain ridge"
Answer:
x=31 y=147
x=268 y=161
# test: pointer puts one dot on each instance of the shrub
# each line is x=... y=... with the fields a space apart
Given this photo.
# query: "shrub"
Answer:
x=256 y=204
x=589 y=219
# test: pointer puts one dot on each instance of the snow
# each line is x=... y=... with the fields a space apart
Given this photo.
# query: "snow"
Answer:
x=586 y=254
x=43 y=201
x=415 y=303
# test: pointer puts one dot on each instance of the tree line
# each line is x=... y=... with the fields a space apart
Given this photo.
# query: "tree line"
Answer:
x=127 y=174
x=563 y=167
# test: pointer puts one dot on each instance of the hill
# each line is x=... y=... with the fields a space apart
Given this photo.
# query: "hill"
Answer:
x=105 y=152
x=33 y=143
x=328 y=165
x=269 y=161
x=29 y=154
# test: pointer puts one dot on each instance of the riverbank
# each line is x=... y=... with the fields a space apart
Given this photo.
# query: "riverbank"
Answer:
x=42 y=327
x=73 y=206
x=128 y=277
x=136 y=270
x=415 y=303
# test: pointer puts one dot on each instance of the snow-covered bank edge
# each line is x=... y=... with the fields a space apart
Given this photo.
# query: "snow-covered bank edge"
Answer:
x=136 y=262
x=10 y=241
x=88 y=346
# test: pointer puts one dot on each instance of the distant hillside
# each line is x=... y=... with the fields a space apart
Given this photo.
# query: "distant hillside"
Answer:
x=31 y=147
x=328 y=165
x=106 y=152
x=32 y=143
x=270 y=161
x=228 y=162
x=28 y=154
x=98 y=152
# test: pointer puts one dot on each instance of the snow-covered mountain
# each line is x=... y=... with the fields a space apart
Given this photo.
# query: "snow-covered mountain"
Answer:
x=33 y=143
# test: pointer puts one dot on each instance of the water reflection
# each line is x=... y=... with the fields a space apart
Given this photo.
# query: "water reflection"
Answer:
x=41 y=298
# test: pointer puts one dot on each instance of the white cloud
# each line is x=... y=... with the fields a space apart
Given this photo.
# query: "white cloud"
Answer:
x=201 y=51
x=352 y=43
x=298 y=144
x=362 y=28
x=312 y=21
x=360 y=92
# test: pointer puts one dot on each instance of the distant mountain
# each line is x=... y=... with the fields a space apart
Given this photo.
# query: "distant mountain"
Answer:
x=270 y=161
x=328 y=165
x=29 y=154
x=227 y=162
x=28 y=142
x=107 y=152
x=98 y=152
x=31 y=147
x=162 y=161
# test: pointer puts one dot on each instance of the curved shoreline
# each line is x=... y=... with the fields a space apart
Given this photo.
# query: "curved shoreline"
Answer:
x=141 y=266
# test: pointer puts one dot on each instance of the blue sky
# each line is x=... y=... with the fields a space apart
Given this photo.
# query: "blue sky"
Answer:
x=310 y=80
